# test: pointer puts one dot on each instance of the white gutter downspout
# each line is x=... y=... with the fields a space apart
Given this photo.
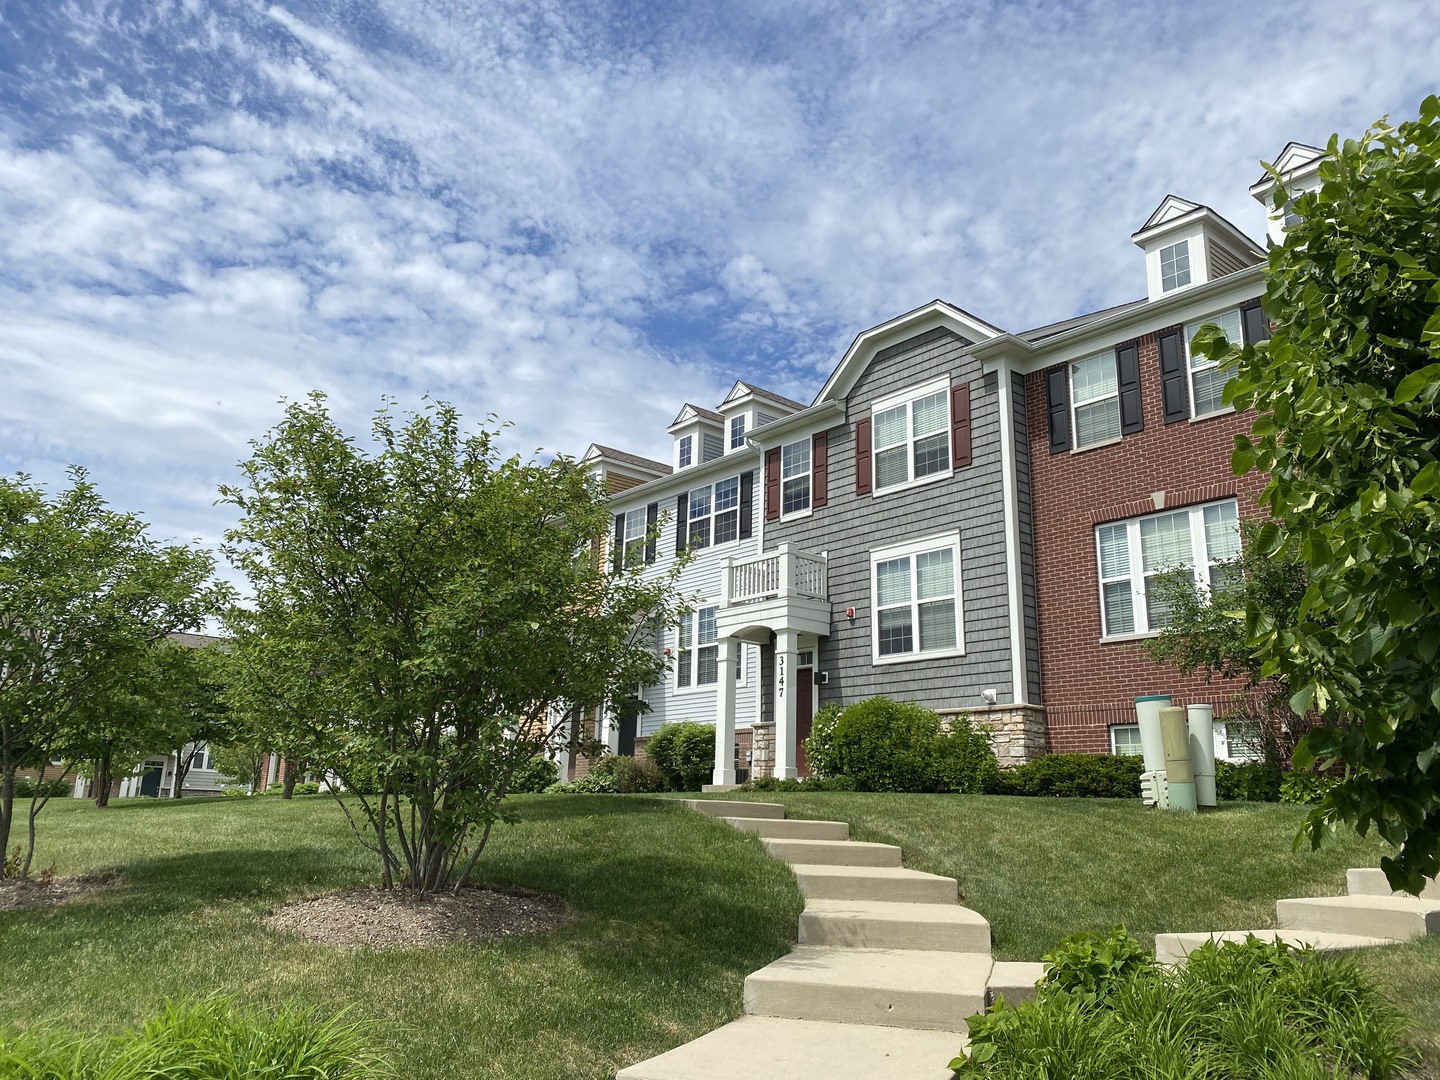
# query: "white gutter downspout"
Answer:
x=1020 y=673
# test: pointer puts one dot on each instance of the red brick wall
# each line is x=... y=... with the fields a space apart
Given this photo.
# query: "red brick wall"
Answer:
x=1089 y=685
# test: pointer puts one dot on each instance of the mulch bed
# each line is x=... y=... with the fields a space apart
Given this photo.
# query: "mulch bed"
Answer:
x=400 y=920
x=33 y=893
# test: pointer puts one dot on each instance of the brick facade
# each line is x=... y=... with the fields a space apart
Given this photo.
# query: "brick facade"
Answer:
x=1089 y=684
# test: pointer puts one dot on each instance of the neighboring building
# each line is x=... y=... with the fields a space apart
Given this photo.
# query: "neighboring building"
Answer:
x=966 y=518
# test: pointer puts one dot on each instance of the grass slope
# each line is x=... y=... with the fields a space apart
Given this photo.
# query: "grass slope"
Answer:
x=673 y=912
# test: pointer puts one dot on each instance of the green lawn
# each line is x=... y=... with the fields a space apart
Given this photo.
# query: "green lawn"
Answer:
x=673 y=911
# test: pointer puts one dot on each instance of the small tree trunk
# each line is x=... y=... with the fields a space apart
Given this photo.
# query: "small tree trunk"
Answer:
x=292 y=773
x=7 y=815
x=102 y=782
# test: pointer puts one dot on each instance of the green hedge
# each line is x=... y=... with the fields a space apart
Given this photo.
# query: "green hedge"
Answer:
x=684 y=752
x=884 y=745
x=1088 y=776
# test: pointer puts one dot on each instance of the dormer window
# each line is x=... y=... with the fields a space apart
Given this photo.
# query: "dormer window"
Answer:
x=1175 y=266
x=687 y=451
x=737 y=432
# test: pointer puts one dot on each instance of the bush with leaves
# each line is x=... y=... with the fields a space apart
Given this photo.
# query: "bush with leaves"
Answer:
x=799 y=783
x=820 y=739
x=684 y=752
x=886 y=745
x=1106 y=1011
x=1086 y=776
x=1248 y=781
x=637 y=776
x=965 y=761
x=535 y=776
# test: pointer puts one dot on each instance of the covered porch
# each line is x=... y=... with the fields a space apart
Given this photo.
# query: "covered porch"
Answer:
x=778 y=596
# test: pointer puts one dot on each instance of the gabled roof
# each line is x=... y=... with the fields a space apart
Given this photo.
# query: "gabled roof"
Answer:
x=1075 y=322
x=741 y=389
x=695 y=412
x=867 y=343
x=1295 y=158
x=1171 y=207
x=597 y=451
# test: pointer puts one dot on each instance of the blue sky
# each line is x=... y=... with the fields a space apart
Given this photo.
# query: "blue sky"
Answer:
x=576 y=216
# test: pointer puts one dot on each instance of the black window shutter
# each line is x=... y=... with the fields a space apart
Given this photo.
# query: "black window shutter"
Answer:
x=1173 y=376
x=747 y=504
x=1127 y=364
x=652 y=515
x=617 y=554
x=682 y=521
x=1255 y=323
x=1057 y=402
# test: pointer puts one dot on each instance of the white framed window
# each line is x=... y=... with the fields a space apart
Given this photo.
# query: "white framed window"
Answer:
x=1208 y=379
x=1136 y=556
x=1125 y=740
x=697 y=654
x=687 y=451
x=916 y=591
x=1095 y=400
x=1175 y=266
x=911 y=437
x=201 y=760
x=795 y=477
x=714 y=513
x=636 y=535
x=737 y=432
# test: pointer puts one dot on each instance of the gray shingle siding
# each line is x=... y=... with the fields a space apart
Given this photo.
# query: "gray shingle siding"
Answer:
x=849 y=526
x=1027 y=540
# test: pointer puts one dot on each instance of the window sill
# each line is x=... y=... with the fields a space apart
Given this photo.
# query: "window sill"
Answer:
x=683 y=691
x=912 y=658
x=876 y=492
x=1097 y=445
x=797 y=515
x=1121 y=639
x=1227 y=411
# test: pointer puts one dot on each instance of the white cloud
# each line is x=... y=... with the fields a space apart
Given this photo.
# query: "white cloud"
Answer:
x=576 y=217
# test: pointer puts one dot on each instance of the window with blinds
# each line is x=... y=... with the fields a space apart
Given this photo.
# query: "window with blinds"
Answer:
x=911 y=437
x=917 y=599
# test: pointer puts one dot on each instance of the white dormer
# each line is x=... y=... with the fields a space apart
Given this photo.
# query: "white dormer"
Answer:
x=747 y=408
x=1299 y=169
x=699 y=436
x=1187 y=244
x=619 y=471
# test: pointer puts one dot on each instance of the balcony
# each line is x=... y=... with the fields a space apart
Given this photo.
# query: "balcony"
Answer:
x=776 y=590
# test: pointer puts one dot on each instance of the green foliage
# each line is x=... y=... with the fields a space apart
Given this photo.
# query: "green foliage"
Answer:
x=207 y=1040
x=1086 y=776
x=1234 y=1011
x=1348 y=434
x=426 y=618
x=799 y=783
x=637 y=776
x=1250 y=781
x=1305 y=789
x=684 y=752
x=27 y=787
x=1090 y=967
x=820 y=739
x=965 y=761
x=535 y=775
x=83 y=592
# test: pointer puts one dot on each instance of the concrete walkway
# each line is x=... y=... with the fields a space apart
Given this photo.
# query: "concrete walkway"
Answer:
x=888 y=967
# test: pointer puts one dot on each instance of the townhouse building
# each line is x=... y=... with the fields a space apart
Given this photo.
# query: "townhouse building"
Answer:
x=967 y=518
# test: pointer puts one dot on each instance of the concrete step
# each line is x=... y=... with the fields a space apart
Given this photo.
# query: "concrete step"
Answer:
x=833 y=852
x=909 y=988
x=890 y=883
x=794 y=829
x=734 y=808
x=717 y=789
x=1015 y=979
x=1401 y=918
x=1172 y=948
x=769 y=1048
x=1369 y=881
x=876 y=924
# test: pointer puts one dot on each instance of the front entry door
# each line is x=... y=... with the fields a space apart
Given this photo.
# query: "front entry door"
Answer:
x=627 y=733
x=150 y=782
x=804 y=714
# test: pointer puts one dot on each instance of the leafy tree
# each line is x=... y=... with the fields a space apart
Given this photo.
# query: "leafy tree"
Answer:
x=187 y=695
x=1347 y=393
x=424 y=617
x=82 y=590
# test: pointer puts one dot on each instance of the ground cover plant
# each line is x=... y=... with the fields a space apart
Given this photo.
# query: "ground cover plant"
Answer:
x=669 y=912
x=1234 y=1011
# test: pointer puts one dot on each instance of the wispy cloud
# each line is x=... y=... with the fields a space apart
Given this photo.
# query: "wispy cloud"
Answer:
x=576 y=216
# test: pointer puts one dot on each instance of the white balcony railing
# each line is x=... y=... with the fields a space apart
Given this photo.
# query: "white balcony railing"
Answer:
x=774 y=575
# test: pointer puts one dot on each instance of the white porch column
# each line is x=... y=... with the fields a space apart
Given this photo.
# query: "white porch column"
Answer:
x=608 y=728
x=787 y=648
x=725 y=713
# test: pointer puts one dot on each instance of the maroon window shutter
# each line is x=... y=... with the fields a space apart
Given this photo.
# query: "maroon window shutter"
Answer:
x=960 y=424
x=772 y=484
x=817 y=470
x=863 y=446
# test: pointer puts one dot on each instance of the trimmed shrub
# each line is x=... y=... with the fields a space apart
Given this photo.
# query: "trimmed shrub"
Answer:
x=637 y=776
x=886 y=745
x=1305 y=788
x=58 y=788
x=1251 y=1009
x=684 y=752
x=535 y=775
x=1090 y=776
x=821 y=738
x=1254 y=781
x=964 y=759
